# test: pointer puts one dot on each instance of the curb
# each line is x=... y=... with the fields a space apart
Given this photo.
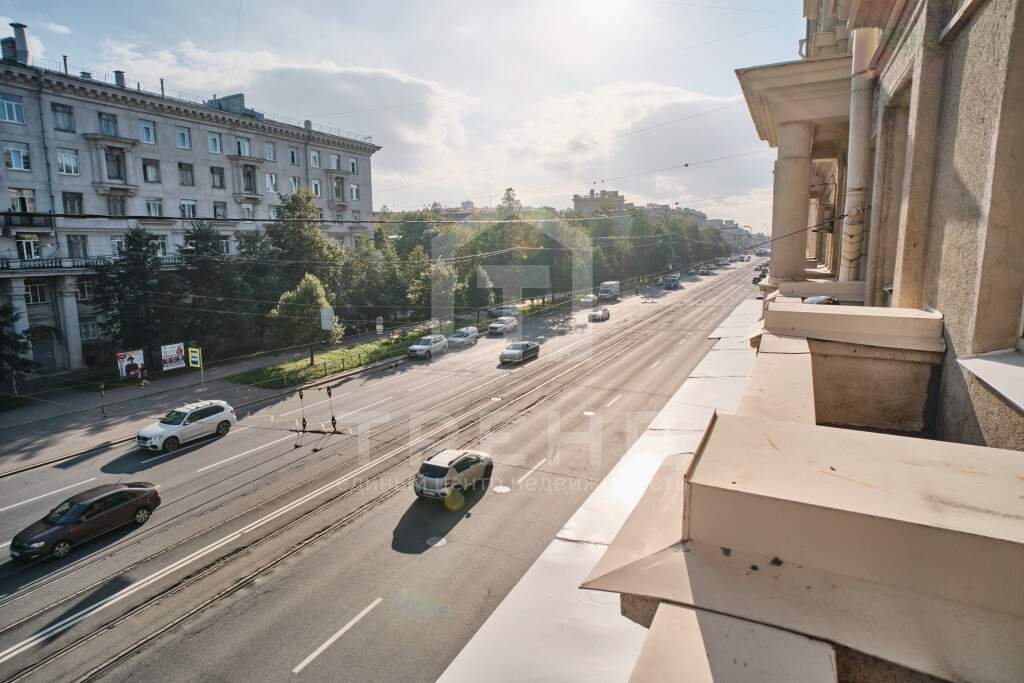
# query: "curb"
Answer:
x=107 y=444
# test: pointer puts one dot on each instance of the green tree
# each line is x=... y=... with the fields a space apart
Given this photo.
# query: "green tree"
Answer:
x=13 y=346
x=479 y=289
x=130 y=293
x=210 y=284
x=300 y=246
x=509 y=206
x=296 y=318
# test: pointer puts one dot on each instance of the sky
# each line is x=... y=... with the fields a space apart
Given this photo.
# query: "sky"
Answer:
x=468 y=97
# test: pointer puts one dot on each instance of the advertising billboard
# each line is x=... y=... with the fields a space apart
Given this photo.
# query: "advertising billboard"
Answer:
x=130 y=363
x=172 y=356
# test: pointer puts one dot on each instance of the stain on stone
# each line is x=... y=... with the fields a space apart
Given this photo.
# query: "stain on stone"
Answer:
x=727 y=551
x=776 y=562
x=754 y=568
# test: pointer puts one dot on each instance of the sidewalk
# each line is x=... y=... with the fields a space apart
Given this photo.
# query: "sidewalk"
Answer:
x=547 y=628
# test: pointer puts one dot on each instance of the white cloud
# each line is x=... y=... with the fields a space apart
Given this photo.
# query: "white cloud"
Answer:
x=441 y=144
x=56 y=28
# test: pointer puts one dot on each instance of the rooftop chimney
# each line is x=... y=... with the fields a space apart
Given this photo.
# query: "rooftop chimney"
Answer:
x=20 y=42
x=119 y=79
x=10 y=49
x=86 y=74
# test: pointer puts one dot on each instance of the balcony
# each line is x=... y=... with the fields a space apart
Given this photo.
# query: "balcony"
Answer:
x=71 y=263
x=27 y=220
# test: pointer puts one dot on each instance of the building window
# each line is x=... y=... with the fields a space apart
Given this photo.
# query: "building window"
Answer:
x=314 y=158
x=86 y=287
x=244 y=149
x=217 y=177
x=63 y=117
x=23 y=200
x=248 y=210
x=220 y=210
x=320 y=214
x=248 y=178
x=183 y=137
x=115 y=164
x=12 y=111
x=89 y=330
x=269 y=151
x=214 y=143
x=35 y=291
x=116 y=205
x=118 y=246
x=271 y=182
x=355 y=215
x=186 y=176
x=275 y=211
x=353 y=166
x=78 y=246
x=67 y=162
x=28 y=247
x=336 y=162
x=293 y=156
x=339 y=188
x=147 y=132
x=316 y=188
x=225 y=245
x=151 y=170
x=16 y=156
x=160 y=243
x=353 y=192
x=154 y=207
x=72 y=203
x=296 y=184
x=188 y=208
x=339 y=217
x=108 y=124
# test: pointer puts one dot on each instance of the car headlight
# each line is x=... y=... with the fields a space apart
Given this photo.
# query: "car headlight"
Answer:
x=38 y=544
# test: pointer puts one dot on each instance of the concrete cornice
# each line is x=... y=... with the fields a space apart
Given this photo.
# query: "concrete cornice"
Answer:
x=55 y=83
x=806 y=90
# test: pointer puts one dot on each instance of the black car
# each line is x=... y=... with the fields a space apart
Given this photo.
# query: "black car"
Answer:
x=822 y=300
x=84 y=516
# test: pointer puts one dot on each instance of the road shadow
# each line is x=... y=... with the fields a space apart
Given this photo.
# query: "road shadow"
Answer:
x=16 y=575
x=428 y=519
x=108 y=589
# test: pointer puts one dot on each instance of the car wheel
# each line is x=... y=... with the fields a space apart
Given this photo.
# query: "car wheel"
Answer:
x=61 y=549
x=141 y=515
x=223 y=428
x=488 y=471
x=171 y=444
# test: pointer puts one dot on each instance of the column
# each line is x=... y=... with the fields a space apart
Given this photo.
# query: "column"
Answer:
x=16 y=292
x=791 y=198
x=858 y=159
x=67 y=293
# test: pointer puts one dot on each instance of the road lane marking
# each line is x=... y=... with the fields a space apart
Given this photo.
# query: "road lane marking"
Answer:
x=376 y=403
x=251 y=450
x=532 y=470
x=654 y=365
x=4 y=545
x=301 y=408
x=9 y=507
x=190 y=447
x=330 y=641
x=438 y=379
x=609 y=404
x=588 y=413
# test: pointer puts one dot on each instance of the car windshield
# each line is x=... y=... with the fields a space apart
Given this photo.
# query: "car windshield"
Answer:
x=433 y=471
x=425 y=340
x=175 y=417
x=518 y=346
x=63 y=513
x=460 y=333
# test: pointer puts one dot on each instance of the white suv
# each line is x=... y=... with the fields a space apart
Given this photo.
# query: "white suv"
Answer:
x=427 y=346
x=465 y=336
x=185 y=423
x=502 y=325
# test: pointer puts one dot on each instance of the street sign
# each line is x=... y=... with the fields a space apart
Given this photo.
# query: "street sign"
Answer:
x=195 y=357
x=326 y=318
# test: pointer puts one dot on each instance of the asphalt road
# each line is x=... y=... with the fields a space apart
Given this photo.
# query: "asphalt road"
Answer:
x=275 y=552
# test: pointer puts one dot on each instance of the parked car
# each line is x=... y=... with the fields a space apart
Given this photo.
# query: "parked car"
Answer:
x=756 y=279
x=672 y=282
x=84 y=516
x=465 y=336
x=520 y=352
x=451 y=470
x=589 y=300
x=822 y=300
x=503 y=325
x=598 y=314
x=504 y=310
x=186 y=423
x=427 y=346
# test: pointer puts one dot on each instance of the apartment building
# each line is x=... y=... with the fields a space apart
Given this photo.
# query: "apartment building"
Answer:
x=86 y=157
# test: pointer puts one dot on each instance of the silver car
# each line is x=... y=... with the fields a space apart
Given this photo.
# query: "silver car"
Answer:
x=520 y=352
x=451 y=470
x=428 y=345
x=503 y=325
x=599 y=314
x=466 y=336
x=187 y=423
